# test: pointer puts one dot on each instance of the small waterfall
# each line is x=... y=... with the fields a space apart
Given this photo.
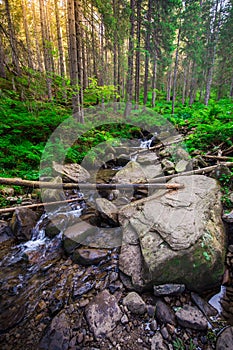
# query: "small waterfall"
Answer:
x=147 y=143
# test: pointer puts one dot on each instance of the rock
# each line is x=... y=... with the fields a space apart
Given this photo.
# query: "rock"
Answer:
x=190 y=317
x=132 y=172
x=53 y=195
x=181 y=166
x=77 y=233
x=107 y=210
x=10 y=317
x=130 y=263
x=225 y=339
x=181 y=234
x=73 y=172
x=5 y=231
x=102 y=314
x=204 y=306
x=168 y=289
x=89 y=256
x=152 y=171
x=164 y=313
x=182 y=154
x=82 y=289
x=147 y=158
x=51 y=230
x=57 y=335
x=228 y=217
x=165 y=152
x=124 y=319
x=157 y=342
x=167 y=165
x=134 y=303
x=22 y=223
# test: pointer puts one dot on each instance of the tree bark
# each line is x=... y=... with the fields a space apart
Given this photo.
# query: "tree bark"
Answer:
x=147 y=51
x=35 y=32
x=15 y=59
x=137 y=60
x=47 y=61
x=27 y=35
x=175 y=71
x=2 y=60
x=129 y=82
x=154 y=79
x=73 y=62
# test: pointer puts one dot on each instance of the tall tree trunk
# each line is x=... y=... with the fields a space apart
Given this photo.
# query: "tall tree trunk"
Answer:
x=120 y=79
x=209 y=77
x=93 y=43
x=154 y=79
x=193 y=84
x=211 y=50
x=2 y=60
x=129 y=83
x=185 y=80
x=73 y=63
x=114 y=5
x=35 y=32
x=175 y=71
x=169 y=83
x=60 y=49
x=77 y=9
x=137 y=61
x=47 y=61
x=147 y=50
x=231 y=89
x=27 y=35
x=15 y=58
x=85 y=75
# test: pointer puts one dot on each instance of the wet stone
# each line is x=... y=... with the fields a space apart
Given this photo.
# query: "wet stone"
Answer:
x=57 y=334
x=203 y=305
x=89 y=256
x=191 y=317
x=225 y=339
x=168 y=289
x=10 y=318
x=102 y=314
x=134 y=303
x=157 y=342
x=164 y=313
x=83 y=289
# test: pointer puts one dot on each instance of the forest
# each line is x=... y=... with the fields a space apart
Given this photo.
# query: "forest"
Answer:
x=116 y=174
x=59 y=57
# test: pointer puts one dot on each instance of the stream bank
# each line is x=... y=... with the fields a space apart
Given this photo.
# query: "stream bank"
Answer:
x=52 y=298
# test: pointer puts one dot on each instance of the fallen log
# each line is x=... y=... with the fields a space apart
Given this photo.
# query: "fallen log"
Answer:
x=83 y=186
x=192 y=172
x=38 y=205
x=217 y=157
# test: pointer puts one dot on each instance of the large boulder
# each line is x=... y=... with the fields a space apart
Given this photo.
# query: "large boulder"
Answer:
x=181 y=234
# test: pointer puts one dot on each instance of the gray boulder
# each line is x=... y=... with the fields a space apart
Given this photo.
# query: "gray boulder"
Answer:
x=181 y=234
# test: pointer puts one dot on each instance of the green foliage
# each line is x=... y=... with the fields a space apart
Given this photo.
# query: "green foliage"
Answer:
x=226 y=181
x=178 y=344
x=24 y=130
x=100 y=92
x=210 y=125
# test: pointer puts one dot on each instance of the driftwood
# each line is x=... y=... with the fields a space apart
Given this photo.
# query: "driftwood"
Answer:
x=83 y=186
x=38 y=205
